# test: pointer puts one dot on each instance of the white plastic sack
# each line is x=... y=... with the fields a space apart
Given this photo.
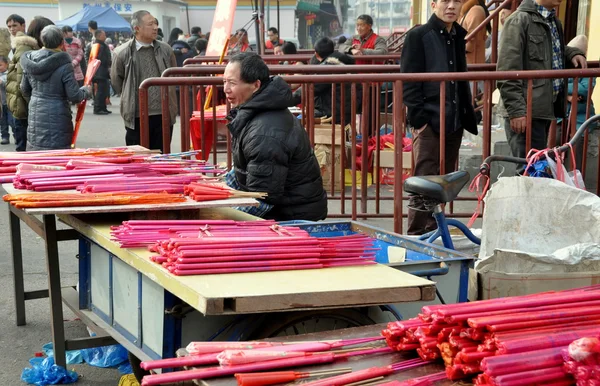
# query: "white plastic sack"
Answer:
x=539 y=216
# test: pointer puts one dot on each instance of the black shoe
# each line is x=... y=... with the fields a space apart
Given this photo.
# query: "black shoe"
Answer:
x=101 y=112
x=108 y=111
x=5 y=141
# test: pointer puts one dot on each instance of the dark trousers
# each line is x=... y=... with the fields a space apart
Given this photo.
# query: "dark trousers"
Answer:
x=426 y=151
x=539 y=137
x=102 y=91
x=20 y=133
x=5 y=122
x=132 y=136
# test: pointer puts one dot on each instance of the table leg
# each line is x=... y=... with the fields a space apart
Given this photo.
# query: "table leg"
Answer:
x=17 y=258
x=53 y=267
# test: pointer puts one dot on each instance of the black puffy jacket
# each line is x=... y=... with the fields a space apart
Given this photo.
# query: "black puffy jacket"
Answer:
x=49 y=80
x=272 y=153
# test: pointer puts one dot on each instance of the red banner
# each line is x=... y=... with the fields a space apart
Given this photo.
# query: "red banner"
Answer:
x=221 y=27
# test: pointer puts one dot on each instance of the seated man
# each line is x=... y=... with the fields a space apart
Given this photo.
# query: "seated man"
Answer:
x=271 y=151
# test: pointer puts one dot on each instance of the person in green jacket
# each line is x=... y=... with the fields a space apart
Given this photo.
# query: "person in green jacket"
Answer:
x=17 y=103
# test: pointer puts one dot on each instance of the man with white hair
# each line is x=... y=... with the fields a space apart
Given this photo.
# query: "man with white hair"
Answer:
x=141 y=58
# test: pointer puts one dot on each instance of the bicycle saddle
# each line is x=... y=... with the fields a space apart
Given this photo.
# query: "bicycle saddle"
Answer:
x=439 y=188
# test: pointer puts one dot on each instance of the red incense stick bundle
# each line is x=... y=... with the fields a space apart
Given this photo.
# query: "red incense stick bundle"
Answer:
x=279 y=377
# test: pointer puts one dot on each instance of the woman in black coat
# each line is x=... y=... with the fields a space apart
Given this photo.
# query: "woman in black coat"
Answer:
x=49 y=80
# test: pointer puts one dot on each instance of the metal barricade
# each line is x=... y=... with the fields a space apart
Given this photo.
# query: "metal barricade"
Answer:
x=291 y=58
x=371 y=85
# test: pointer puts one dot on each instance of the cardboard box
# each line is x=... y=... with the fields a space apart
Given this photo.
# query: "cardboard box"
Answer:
x=348 y=178
x=386 y=158
x=328 y=161
x=493 y=283
x=323 y=135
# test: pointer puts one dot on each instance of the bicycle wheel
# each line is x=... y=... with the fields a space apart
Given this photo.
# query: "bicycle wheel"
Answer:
x=306 y=322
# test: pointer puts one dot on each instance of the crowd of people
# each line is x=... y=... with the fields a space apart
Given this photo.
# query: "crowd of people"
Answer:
x=42 y=72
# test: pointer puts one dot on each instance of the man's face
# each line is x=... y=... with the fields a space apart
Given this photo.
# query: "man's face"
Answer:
x=101 y=37
x=242 y=36
x=362 y=28
x=3 y=67
x=549 y=4
x=447 y=10
x=15 y=27
x=68 y=35
x=277 y=50
x=147 y=31
x=272 y=36
x=236 y=90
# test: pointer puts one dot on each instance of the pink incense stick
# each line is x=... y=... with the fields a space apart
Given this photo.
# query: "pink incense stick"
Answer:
x=370 y=373
x=234 y=264
x=201 y=357
x=180 y=272
x=213 y=372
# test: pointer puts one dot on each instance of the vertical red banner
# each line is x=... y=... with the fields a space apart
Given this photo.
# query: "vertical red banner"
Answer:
x=221 y=27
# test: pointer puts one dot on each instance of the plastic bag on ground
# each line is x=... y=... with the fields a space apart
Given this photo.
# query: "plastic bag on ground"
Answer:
x=43 y=372
x=73 y=356
x=107 y=356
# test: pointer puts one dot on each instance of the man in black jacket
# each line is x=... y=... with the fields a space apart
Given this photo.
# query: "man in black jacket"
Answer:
x=102 y=77
x=438 y=46
x=326 y=55
x=271 y=150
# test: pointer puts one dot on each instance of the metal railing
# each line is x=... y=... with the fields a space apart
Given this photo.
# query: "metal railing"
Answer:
x=371 y=85
x=291 y=58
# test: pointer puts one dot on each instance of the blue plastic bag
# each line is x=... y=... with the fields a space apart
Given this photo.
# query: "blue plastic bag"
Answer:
x=107 y=356
x=539 y=169
x=73 y=356
x=43 y=372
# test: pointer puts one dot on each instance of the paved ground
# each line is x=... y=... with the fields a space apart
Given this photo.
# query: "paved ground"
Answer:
x=18 y=344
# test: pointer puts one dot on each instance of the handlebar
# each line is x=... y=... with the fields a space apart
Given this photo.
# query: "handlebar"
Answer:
x=485 y=167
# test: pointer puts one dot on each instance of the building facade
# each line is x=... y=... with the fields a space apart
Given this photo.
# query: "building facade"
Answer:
x=389 y=16
x=170 y=13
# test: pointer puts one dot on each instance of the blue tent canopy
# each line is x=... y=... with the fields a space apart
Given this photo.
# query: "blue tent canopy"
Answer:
x=107 y=18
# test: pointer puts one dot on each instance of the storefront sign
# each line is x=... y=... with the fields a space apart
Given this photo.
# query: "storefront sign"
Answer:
x=119 y=6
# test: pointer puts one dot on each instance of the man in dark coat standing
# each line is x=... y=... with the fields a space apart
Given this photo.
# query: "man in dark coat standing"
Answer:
x=438 y=46
x=271 y=150
x=102 y=77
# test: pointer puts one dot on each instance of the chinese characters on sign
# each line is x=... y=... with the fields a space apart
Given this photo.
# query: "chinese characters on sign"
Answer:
x=119 y=6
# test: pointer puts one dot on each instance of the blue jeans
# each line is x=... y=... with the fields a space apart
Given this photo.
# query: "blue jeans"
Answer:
x=20 y=133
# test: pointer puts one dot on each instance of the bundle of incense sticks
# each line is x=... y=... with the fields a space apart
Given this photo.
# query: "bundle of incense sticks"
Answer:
x=98 y=177
x=213 y=372
x=114 y=169
x=206 y=353
x=196 y=248
x=281 y=377
x=426 y=380
x=59 y=200
x=582 y=361
x=368 y=374
x=207 y=191
x=502 y=341
x=144 y=233
x=58 y=159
